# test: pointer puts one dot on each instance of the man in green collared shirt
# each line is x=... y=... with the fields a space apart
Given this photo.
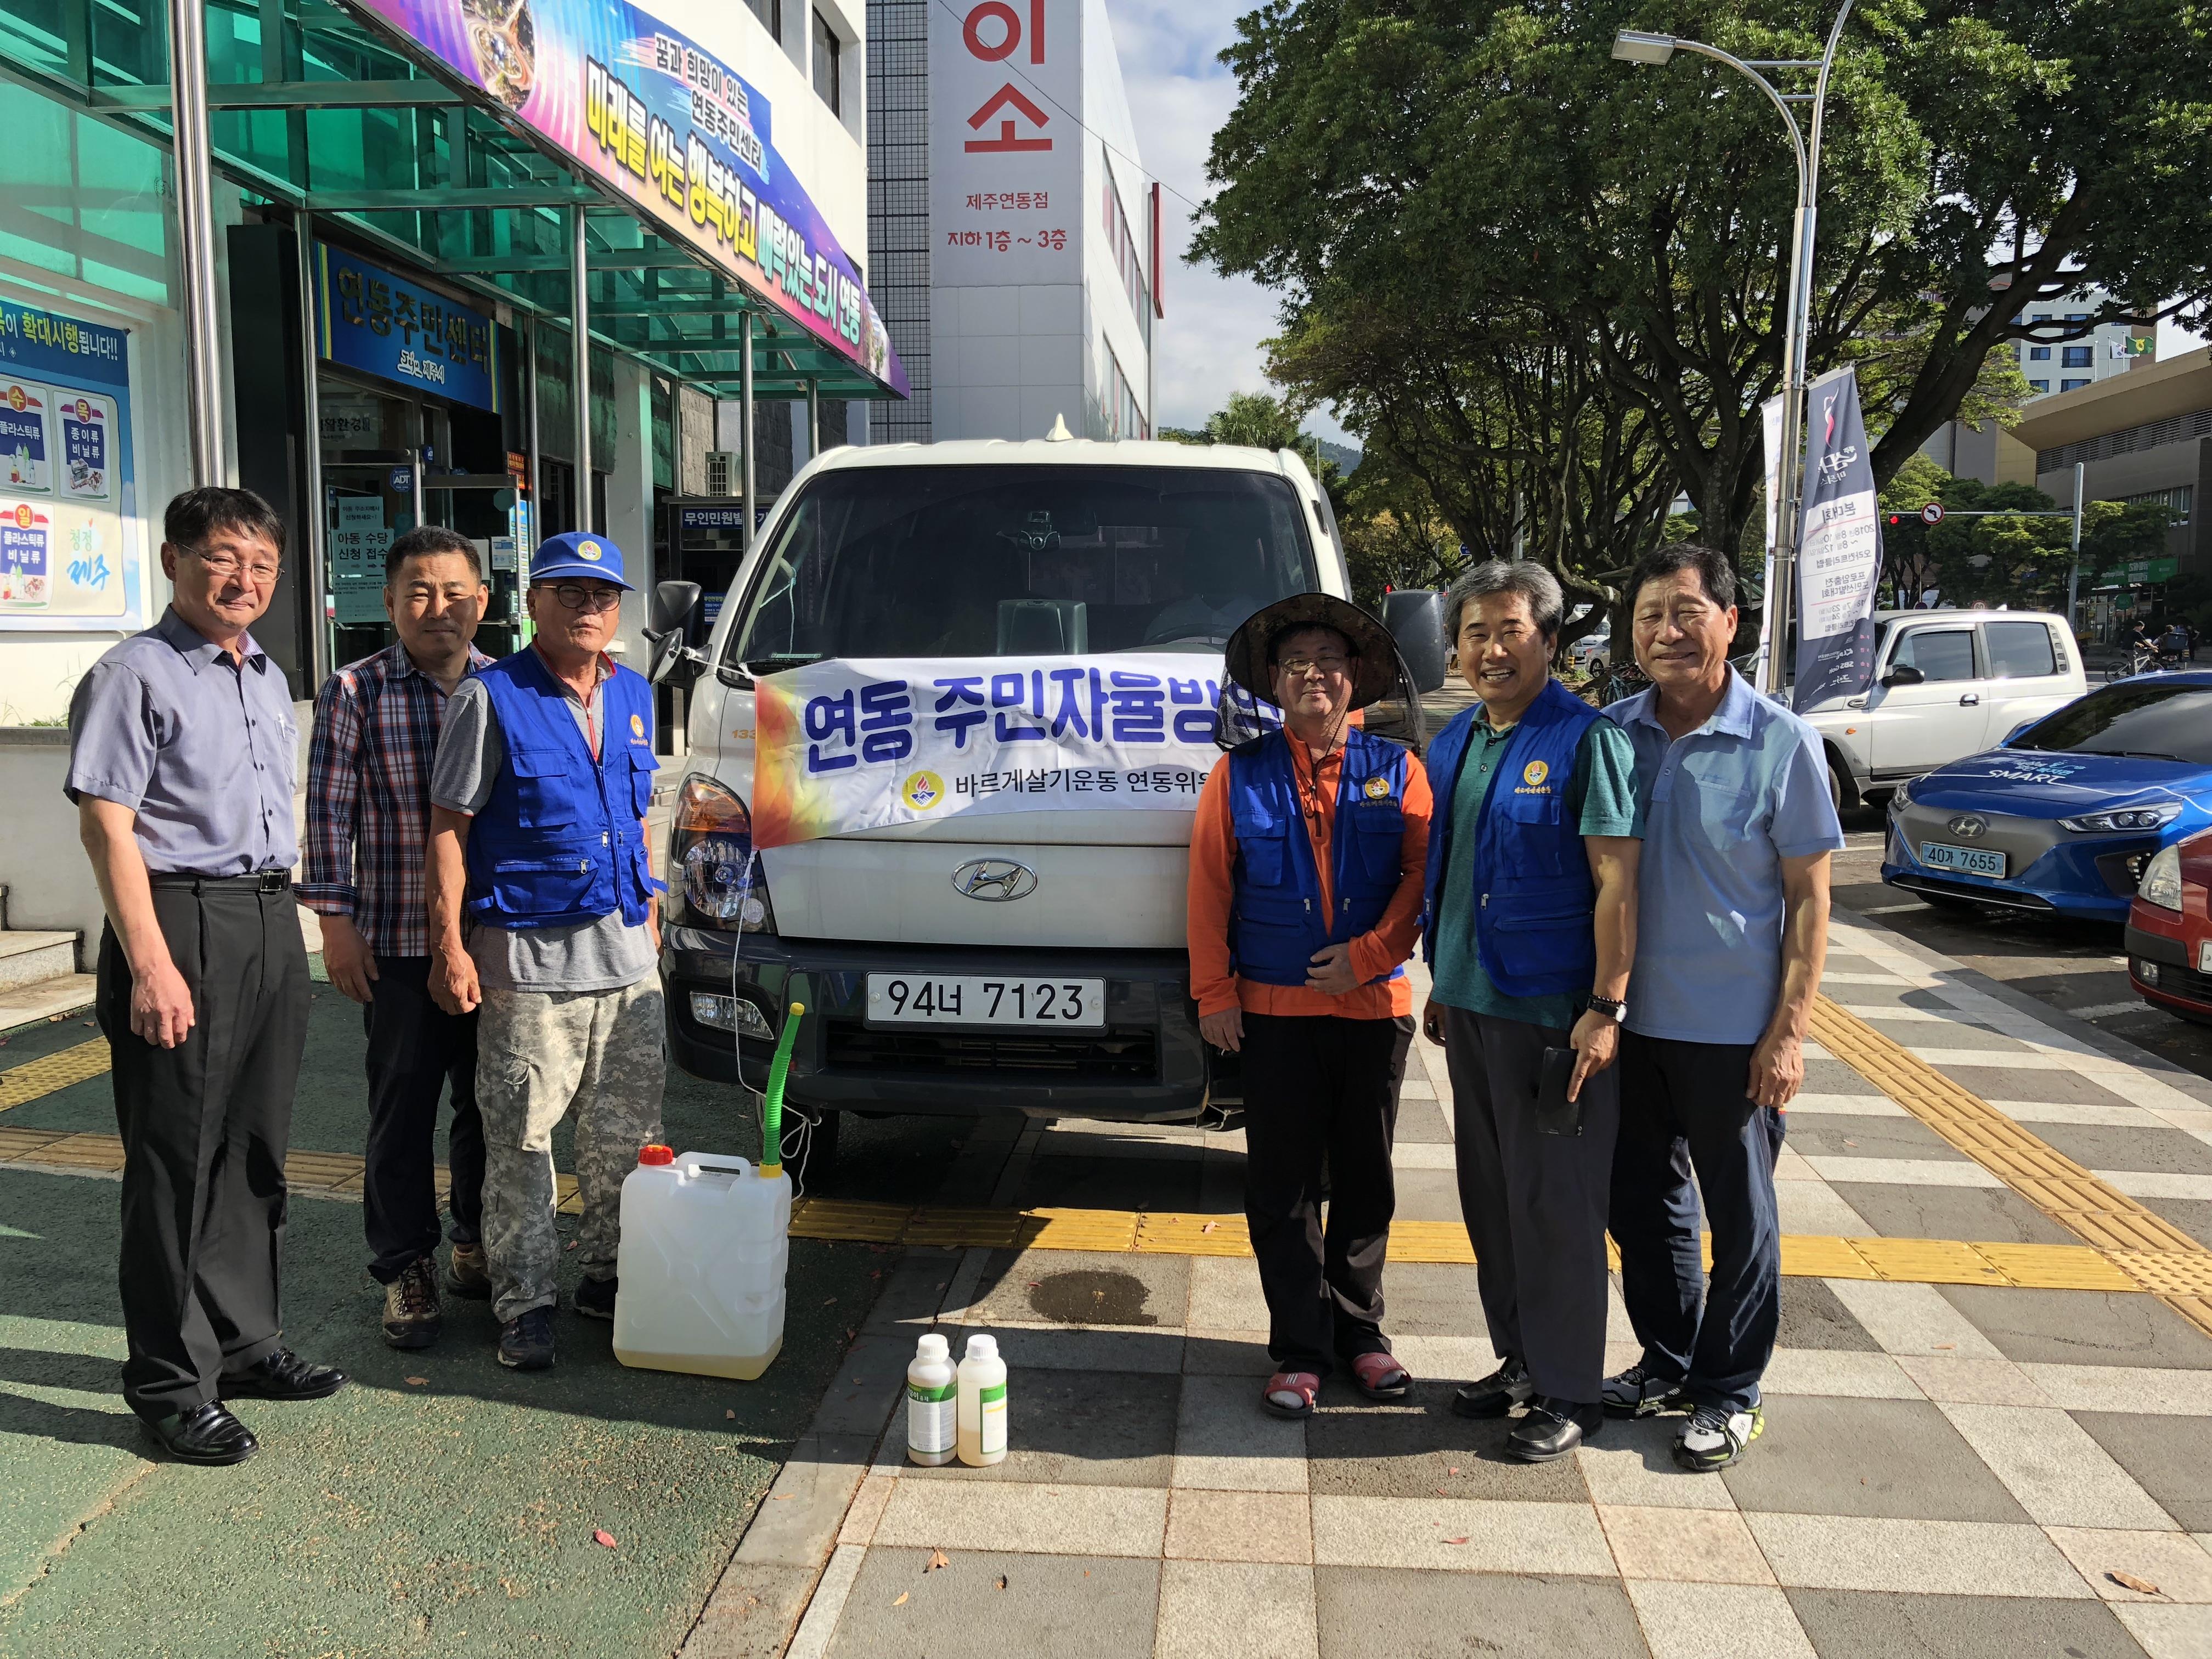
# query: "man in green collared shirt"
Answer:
x=1534 y=849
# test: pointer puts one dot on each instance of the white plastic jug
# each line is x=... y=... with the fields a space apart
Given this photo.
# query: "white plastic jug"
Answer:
x=705 y=1246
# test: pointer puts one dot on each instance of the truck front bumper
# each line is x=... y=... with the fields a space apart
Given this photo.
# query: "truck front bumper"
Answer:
x=1148 y=1066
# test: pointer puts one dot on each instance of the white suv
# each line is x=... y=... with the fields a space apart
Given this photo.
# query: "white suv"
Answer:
x=1948 y=683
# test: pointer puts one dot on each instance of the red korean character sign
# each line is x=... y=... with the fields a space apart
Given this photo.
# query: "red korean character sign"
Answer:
x=1005 y=141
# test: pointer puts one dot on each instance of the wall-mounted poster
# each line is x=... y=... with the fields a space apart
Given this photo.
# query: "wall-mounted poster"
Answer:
x=72 y=551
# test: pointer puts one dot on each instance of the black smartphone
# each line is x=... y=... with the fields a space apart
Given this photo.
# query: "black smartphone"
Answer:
x=1555 y=1114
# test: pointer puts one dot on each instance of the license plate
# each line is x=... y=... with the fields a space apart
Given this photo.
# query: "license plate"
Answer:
x=1974 y=860
x=978 y=1000
x=2204 y=956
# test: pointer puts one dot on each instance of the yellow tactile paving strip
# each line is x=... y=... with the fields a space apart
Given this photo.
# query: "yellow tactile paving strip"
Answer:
x=2154 y=1254
x=19 y=1085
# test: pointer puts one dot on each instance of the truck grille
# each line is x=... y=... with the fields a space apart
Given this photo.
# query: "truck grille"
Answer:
x=1131 y=1056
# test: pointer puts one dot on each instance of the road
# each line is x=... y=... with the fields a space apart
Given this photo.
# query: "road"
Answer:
x=2076 y=967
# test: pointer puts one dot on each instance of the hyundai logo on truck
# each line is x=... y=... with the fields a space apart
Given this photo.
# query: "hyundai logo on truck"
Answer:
x=994 y=881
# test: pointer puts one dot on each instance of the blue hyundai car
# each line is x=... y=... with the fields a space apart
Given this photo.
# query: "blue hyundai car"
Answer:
x=2062 y=817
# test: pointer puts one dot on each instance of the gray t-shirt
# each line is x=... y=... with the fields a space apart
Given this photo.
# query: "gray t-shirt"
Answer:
x=587 y=956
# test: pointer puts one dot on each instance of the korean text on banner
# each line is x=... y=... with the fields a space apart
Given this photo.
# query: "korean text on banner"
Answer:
x=1840 y=554
x=71 y=546
x=1005 y=157
x=673 y=129
x=852 y=745
x=370 y=318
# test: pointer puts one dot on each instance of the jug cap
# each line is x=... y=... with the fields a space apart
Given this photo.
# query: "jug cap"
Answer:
x=932 y=1347
x=655 y=1154
x=982 y=1348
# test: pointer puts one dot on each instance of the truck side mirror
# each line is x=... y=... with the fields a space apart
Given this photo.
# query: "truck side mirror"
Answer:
x=1415 y=618
x=1903 y=673
x=671 y=663
x=671 y=603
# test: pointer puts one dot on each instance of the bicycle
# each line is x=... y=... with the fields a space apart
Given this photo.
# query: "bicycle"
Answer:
x=2144 y=660
x=1624 y=680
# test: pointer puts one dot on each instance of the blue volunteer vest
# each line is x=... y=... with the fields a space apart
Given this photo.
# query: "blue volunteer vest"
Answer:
x=1534 y=893
x=560 y=841
x=1276 y=921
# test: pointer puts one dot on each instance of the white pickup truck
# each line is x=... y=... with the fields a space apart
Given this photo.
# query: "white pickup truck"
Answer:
x=917 y=550
x=1947 y=684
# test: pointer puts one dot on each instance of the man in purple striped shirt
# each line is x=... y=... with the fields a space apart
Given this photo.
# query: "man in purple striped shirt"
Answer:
x=368 y=820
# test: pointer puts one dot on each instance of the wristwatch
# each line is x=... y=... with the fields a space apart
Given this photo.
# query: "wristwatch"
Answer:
x=1615 y=1011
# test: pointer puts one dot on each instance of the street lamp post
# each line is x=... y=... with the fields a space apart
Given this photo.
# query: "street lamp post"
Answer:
x=1635 y=46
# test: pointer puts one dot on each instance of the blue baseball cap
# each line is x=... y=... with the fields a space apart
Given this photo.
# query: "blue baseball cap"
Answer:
x=574 y=554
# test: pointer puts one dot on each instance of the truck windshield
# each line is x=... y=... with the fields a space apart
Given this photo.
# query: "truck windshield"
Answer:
x=1030 y=560
x=2150 y=717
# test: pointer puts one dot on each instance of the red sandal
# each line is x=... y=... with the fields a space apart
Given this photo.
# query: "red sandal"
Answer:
x=1380 y=1377
x=1302 y=1386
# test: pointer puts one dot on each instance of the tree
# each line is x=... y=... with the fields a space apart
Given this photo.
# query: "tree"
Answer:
x=1449 y=164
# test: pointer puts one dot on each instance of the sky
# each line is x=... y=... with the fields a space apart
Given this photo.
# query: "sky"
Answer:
x=1208 y=344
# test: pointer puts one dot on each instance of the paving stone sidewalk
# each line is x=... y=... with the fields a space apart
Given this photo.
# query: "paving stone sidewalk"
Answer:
x=1948 y=1469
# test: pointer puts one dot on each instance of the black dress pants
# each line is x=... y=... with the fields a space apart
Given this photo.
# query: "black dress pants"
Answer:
x=1320 y=1092
x=1534 y=1204
x=416 y=1049
x=204 y=1126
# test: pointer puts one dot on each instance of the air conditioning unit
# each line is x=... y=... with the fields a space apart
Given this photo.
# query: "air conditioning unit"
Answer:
x=725 y=472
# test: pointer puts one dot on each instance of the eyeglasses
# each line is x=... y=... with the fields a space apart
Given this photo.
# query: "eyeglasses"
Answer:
x=575 y=596
x=1299 y=667
x=226 y=565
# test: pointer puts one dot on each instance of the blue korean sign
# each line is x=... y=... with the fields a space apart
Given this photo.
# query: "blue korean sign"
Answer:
x=370 y=319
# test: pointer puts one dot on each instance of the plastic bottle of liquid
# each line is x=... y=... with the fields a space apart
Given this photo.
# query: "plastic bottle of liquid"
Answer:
x=931 y=1405
x=982 y=1403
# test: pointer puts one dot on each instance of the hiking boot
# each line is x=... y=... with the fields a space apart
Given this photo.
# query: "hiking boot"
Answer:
x=1716 y=1436
x=595 y=1299
x=1636 y=1392
x=1495 y=1394
x=470 y=1274
x=525 y=1342
x=411 y=1316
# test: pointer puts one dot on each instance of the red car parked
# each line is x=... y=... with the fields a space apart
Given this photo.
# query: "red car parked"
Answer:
x=2170 y=931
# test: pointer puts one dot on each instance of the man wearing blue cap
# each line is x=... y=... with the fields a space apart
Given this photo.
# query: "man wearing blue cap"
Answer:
x=543 y=912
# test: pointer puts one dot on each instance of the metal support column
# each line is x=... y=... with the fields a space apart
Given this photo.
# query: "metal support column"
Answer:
x=196 y=241
x=310 y=514
x=813 y=418
x=536 y=456
x=2074 y=569
x=746 y=404
x=579 y=368
x=415 y=485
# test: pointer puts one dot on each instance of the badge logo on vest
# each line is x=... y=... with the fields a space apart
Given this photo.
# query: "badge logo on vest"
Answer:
x=588 y=551
x=637 y=725
x=923 y=791
x=1378 y=788
x=1534 y=773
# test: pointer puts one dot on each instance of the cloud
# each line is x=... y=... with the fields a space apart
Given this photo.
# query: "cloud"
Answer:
x=1208 y=344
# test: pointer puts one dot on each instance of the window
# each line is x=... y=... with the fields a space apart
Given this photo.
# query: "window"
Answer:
x=2072 y=385
x=2180 y=498
x=1124 y=419
x=2038 y=354
x=2038 y=385
x=1940 y=653
x=2079 y=356
x=770 y=12
x=828 y=71
x=2019 y=650
x=2136 y=717
x=1121 y=243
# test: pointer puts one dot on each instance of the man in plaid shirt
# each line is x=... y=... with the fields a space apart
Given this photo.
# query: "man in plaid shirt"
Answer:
x=368 y=819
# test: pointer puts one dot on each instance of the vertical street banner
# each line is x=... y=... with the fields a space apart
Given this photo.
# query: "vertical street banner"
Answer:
x=1770 y=420
x=1005 y=157
x=1839 y=548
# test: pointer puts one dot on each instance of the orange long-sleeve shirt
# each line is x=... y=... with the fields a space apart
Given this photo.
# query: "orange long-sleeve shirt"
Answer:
x=1212 y=889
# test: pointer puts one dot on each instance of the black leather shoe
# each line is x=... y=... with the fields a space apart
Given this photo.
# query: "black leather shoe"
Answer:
x=595 y=1299
x=1551 y=1429
x=1495 y=1394
x=283 y=1376
x=205 y=1434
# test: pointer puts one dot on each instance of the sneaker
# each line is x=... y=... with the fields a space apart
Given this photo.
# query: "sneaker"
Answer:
x=1716 y=1436
x=411 y=1315
x=525 y=1342
x=1495 y=1394
x=1636 y=1392
x=595 y=1299
x=470 y=1275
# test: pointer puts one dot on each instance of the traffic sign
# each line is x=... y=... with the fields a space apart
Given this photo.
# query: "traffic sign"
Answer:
x=1932 y=513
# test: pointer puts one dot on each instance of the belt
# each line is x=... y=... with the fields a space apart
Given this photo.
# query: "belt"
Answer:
x=260 y=881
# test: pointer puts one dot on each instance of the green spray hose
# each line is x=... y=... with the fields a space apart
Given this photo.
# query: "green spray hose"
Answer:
x=771 y=1164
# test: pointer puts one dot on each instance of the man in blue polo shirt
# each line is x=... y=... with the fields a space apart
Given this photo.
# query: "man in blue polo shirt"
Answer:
x=1732 y=928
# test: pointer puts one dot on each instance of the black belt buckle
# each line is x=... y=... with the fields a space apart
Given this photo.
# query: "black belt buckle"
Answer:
x=271 y=881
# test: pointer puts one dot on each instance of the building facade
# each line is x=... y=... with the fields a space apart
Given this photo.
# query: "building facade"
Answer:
x=1013 y=236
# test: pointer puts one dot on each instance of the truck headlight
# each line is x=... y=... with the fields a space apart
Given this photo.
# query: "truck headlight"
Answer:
x=2161 y=880
x=712 y=864
x=2136 y=818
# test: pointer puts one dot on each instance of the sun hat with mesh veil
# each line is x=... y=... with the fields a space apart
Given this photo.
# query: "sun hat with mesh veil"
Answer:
x=1375 y=667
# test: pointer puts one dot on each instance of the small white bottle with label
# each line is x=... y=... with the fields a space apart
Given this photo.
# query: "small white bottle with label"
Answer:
x=982 y=1403
x=931 y=1406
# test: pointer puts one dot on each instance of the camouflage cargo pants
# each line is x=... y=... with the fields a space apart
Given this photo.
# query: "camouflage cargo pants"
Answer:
x=541 y=1055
